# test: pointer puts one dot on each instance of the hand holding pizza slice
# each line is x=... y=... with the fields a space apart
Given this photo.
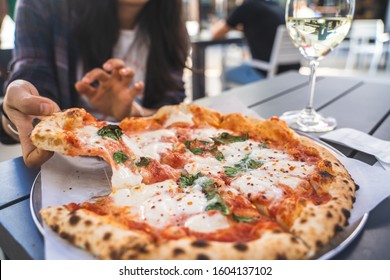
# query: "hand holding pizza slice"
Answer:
x=191 y=183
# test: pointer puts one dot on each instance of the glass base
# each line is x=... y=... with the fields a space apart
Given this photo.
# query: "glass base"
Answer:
x=308 y=120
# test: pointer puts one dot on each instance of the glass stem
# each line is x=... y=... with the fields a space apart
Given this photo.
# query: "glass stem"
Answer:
x=313 y=68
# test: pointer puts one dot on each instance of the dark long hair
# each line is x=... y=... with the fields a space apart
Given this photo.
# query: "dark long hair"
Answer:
x=96 y=30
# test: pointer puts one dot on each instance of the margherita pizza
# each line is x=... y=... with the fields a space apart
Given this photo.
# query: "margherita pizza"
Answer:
x=191 y=183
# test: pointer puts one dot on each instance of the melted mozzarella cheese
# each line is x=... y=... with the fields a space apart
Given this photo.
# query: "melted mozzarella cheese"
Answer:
x=293 y=168
x=122 y=177
x=148 y=144
x=269 y=155
x=88 y=135
x=258 y=181
x=235 y=152
x=205 y=165
x=205 y=134
x=292 y=182
x=160 y=204
x=179 y=116
x=205 y=222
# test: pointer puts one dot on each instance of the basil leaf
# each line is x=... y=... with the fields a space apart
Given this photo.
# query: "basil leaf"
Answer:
x=244 y=164
x=219 y=205
x=187 y=144
x=210 y=189
x=227 y=138
x=253 y=164
x=196 y=151
x=143 y=161
x=263 y=145
x=111 y=131
x=244 y=219
x=232 y=171
x=120 y=157
x=219 y=156
x=188 y=180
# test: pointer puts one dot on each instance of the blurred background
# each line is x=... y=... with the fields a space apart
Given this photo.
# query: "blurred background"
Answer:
x=366 y=51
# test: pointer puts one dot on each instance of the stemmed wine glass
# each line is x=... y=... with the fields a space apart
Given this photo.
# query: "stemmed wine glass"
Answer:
x=316 y=27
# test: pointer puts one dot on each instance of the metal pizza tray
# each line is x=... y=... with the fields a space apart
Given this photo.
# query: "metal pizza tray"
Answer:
x=340 y=241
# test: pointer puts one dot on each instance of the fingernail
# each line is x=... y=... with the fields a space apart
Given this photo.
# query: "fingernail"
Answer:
x=107 y=66
x=86 y=80
x=46 y=109
x=125 y=70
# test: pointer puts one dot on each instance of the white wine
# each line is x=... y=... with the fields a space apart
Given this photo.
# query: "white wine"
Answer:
x=315 y=37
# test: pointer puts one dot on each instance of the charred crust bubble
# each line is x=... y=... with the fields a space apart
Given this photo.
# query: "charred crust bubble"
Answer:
x=202 y=257
x=346 y=181
x=294 y=239
x=242 y=247
x=67 y=236
x=107 y=236
x=327 y=163
x=74 y=219
x=337 y=228
x=200 y=244
x=178 y=252
x=346 y=213
x=116 y=254
x=335 y=163
x=319 y=244
x=88 y=223
x=325 y=175
x=87 y=245
x=281 y=257
x=55 y=228
x=142 y=249
x=357 y=187
x=329 y=215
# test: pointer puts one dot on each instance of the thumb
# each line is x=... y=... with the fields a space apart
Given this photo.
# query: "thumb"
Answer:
x=23 y=97
x=37 y=106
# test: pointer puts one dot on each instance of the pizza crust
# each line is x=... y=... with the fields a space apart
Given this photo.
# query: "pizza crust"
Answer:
x=109 y=240
x=317 y=224
x=98 y=235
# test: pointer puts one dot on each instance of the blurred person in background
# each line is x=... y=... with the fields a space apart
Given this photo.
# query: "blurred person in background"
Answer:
x=116 y=58
x=259 y=20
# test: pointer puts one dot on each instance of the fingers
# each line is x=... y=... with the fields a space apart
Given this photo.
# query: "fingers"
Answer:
x=22 y=103
x=23 y=97
x=86 y=89
x=138 y=88
x=113 y=63
x=119 y=70
x=34 y=157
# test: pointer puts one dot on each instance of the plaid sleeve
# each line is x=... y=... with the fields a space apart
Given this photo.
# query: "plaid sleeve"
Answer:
x=33 y=56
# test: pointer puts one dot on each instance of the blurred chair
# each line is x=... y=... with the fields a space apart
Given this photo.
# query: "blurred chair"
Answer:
x=283 y=53
x=366 y=39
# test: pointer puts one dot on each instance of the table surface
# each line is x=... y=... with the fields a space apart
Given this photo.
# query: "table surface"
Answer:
x=354 y=102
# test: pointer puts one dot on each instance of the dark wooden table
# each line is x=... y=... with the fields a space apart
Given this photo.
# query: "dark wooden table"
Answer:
x=354 y=102
x=200 y=43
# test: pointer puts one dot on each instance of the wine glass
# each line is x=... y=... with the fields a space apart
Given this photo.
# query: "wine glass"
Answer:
x=316 y=27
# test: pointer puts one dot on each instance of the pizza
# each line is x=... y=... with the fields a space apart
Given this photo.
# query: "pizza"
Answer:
x=192 y=183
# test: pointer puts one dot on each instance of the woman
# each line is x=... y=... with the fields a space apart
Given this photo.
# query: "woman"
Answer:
x=83 y=53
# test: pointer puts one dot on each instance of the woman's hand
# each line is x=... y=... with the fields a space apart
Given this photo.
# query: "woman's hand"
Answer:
x=22 y=104
x=113 y=95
